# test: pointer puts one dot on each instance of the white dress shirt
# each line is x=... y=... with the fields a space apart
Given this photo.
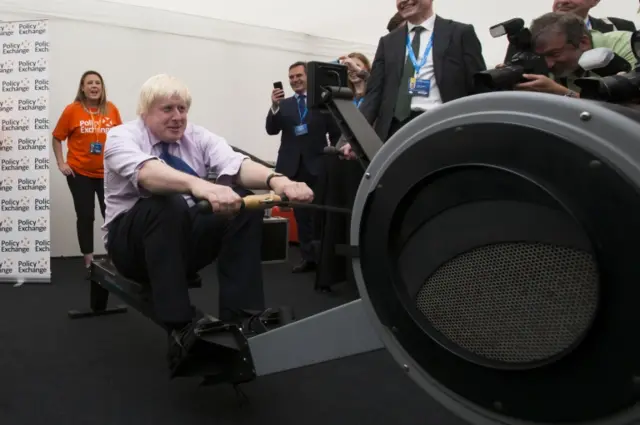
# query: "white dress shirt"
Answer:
x=421 y=103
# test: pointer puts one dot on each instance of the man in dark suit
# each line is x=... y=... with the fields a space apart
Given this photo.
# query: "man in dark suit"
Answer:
x=419 y=66
x=303 y=139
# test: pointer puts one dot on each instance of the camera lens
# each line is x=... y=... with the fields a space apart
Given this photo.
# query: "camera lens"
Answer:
x=499 y=78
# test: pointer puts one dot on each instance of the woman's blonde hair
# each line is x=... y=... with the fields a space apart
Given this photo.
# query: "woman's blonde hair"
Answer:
x=161 y=86
x=82 y=98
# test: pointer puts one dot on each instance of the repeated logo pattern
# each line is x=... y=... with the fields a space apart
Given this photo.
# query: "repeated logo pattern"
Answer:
x=25 y=130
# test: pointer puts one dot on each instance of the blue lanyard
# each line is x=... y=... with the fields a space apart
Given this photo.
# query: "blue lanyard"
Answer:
x=588 y=24
x=358 y=102
x=303 y=115
x=417 y=66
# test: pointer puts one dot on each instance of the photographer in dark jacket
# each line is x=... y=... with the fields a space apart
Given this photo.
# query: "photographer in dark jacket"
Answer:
x=582 y=8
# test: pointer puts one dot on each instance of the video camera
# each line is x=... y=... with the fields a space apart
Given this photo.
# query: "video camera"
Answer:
x=524 y=61
x=615 y=88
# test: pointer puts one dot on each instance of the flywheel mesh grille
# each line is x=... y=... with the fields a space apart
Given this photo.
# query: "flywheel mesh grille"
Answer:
x=513 y=302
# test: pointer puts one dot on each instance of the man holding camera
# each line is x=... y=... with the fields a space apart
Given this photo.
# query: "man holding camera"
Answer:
x=561 y=38
x=581 y=8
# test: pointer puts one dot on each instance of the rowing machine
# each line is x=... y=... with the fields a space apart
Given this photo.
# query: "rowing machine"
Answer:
x=495 y=252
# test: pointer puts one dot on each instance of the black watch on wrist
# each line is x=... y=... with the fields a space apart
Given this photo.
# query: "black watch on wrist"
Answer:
x=272 y=175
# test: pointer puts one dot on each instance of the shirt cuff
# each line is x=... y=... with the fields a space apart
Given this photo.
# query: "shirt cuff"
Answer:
x=275 y=110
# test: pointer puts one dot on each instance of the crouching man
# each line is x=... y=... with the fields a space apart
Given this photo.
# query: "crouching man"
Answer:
x=155 y=170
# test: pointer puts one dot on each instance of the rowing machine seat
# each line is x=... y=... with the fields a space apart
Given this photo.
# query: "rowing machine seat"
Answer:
x=106 y=279
x=133 y=286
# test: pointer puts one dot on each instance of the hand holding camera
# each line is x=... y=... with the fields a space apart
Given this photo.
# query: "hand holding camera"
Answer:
x=541 y=83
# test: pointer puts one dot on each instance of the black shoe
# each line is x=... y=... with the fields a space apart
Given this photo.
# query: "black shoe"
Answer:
x=305 y=267
x=185 y=346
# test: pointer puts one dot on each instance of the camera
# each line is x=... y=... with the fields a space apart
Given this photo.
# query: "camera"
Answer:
x=524 y=61
x=614 y=88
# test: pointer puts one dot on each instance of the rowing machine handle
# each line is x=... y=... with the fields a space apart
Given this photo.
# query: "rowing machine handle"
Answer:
x=252 y=202
x=332 y=150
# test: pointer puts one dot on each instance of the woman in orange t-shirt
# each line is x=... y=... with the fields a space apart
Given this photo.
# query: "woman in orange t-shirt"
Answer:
x=84 y=125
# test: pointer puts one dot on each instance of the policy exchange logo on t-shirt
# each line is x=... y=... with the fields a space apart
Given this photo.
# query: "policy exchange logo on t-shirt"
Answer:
x=97 y=125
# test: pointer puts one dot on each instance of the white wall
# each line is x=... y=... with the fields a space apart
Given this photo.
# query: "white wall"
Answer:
x=228 y=52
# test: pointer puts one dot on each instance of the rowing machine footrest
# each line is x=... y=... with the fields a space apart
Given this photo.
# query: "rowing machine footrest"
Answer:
x=216 y=351
x=256 y=322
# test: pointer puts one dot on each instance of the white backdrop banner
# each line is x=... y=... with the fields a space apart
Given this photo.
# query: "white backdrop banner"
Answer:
x=24 y=152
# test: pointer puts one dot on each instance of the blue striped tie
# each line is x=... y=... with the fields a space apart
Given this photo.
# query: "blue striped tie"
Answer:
x=174 y=161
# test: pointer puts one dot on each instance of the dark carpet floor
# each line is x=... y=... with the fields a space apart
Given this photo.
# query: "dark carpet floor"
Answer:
x=111 y=370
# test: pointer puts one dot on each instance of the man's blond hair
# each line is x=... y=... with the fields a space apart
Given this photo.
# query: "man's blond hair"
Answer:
x=159 y=87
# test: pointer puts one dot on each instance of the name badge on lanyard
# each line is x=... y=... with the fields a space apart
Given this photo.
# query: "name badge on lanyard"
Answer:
x=95 y=148
x=302 y=129
x=419 y=87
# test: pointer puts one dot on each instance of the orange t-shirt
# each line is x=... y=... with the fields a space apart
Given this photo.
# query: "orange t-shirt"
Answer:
x=81 y=128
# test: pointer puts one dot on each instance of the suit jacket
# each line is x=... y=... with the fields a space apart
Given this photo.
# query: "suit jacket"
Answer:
x=611 y=24
x=301 y=151
x=457 y=56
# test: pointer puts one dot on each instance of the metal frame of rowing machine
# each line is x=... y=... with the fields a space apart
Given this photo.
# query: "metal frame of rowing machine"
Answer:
x=105 y=280
x=340 y=332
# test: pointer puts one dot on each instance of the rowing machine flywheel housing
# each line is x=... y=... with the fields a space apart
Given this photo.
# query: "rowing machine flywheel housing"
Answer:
x=499 y=257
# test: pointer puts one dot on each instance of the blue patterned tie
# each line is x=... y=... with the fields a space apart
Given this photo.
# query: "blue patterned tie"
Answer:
x=302 y=108
x=174 y=161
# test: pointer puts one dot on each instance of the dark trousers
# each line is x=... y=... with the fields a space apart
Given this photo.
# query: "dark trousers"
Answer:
x=397 y=125
x=343 y=180
x=162 y=241
x=84 y=190
x=306 y=218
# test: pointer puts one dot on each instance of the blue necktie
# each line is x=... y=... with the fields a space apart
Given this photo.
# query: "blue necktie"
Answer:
x=302 y=108
x=174 y=161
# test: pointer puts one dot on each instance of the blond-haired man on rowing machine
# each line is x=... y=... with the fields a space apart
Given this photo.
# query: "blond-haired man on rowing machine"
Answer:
x=155 y=172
